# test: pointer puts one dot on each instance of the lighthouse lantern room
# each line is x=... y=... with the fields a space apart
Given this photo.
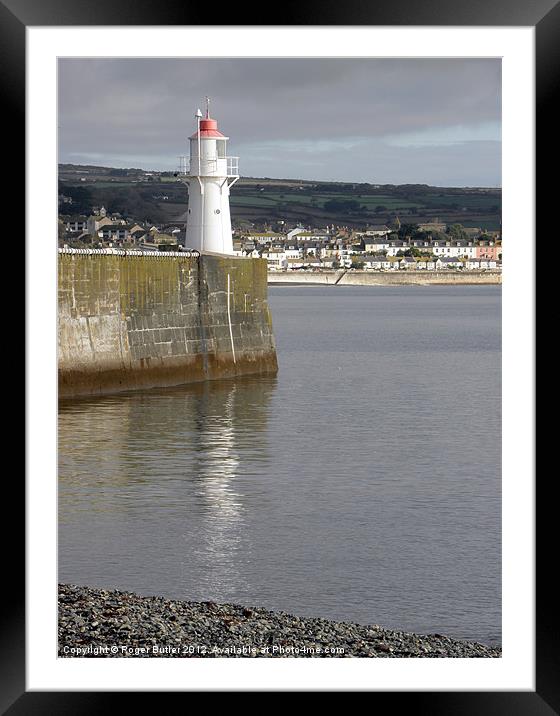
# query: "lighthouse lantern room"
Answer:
x=210 y=175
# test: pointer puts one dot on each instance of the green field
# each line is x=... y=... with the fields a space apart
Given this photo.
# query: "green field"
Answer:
x=262 y=201
x=319 y=199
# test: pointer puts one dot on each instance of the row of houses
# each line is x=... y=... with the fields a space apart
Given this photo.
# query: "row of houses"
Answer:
x=375 y=248
x=381 y=263
x=376 y=240
x=301 y=233
x=384 y=263
x=102 y=229
x=342 y=248
x=345 y=254
x=306 y=234
x=437 y=247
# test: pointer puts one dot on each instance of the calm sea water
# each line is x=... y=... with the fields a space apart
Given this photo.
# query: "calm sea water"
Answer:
x=361 y=484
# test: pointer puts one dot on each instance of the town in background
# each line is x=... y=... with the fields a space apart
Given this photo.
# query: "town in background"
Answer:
x=294 y=225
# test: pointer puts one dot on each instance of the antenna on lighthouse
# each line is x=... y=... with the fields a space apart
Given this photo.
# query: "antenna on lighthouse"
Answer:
x=198 y=115
x=207 y=107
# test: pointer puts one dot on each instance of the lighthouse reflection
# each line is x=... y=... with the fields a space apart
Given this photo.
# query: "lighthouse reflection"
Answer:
x=214 y=470
x=159 y=501
x=216 y=456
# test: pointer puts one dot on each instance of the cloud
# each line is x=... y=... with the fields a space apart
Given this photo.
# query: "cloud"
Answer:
x=328 y=110
x=446 y=136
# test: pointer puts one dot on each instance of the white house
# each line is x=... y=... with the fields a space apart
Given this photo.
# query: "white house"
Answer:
x=455 y=248
x=266 y=237
x=376 y=244
x=377 y=230
x=306 y=235
x=277 y=260
x=292 y=252
x=312 y=236
x=407 y=263
x=378 y=263
x=480 y=264
x=393 y=247
x=113 y=232
x=448 y=262
x=421 y=243
x=76 y=224
x=314 y=263
x=94 y=223
x=312 y=249
x=426 y=264
x=294 y=232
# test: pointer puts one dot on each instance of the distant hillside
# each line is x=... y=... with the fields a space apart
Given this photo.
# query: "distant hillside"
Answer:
x=161 y=197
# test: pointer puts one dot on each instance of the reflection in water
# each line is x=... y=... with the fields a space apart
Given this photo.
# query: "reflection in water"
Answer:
x=363 y=485
x=155 y=469
x=217 y=457
x=215 y=472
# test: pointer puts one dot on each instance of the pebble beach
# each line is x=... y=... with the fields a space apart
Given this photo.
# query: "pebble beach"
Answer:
x=111 y=623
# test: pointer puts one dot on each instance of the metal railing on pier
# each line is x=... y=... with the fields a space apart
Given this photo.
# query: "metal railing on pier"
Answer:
x=187 y=253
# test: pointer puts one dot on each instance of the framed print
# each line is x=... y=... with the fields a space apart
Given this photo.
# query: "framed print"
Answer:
x=120 y=505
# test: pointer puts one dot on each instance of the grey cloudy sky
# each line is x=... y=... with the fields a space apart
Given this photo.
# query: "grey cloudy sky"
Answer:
x=432 y=121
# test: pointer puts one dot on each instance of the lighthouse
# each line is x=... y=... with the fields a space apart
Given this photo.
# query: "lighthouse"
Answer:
x=210 y=175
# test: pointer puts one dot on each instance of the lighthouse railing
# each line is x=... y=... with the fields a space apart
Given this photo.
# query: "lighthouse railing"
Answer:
x=210 y=166
x=232 y=166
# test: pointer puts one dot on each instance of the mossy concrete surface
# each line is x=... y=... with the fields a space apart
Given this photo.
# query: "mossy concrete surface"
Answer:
x=131 y=322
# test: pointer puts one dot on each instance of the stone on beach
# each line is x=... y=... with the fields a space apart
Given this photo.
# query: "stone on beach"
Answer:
x=110 y=623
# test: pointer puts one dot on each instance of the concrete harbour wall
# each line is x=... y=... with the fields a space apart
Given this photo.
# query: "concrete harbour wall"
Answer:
x=389 y=278
x=127 y=322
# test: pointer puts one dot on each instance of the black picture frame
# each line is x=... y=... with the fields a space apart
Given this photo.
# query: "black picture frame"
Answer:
x=544 y=15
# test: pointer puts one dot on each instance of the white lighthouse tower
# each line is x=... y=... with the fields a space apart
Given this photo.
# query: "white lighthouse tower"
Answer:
x=210 y=175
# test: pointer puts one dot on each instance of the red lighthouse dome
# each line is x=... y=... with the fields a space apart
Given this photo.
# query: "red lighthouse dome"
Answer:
x=208 y=129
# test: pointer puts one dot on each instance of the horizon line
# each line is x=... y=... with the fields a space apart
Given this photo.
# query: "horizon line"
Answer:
x=309 y=181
